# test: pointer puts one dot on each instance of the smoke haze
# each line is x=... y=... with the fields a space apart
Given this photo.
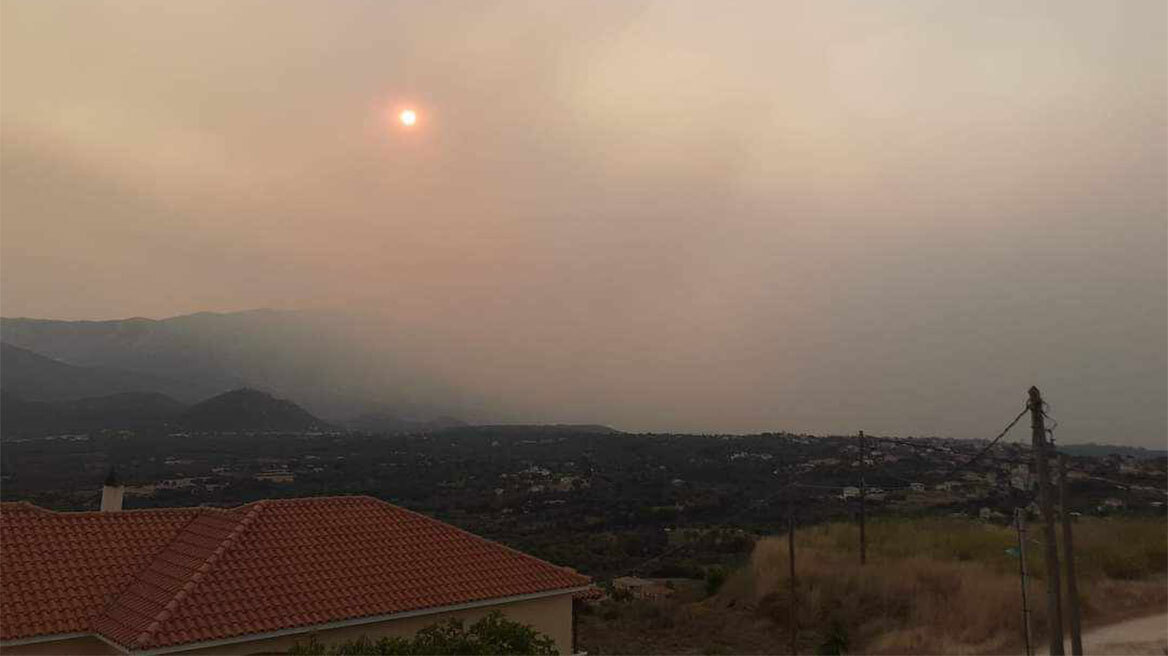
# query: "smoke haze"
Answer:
x=689 y=216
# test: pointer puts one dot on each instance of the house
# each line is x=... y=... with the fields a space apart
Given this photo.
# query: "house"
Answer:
x=1020 y=478
x=276 y=476
x=256 y=578
x=1111 y=503
x=989 y=515
x=641 y=588
x=850 y=492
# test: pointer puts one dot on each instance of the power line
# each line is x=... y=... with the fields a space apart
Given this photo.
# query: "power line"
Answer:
x=991 y=444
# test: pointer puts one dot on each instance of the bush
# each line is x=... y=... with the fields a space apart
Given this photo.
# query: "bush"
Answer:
x=941 y=585
x=836 y=640
x=493 y=634
x=715 y=577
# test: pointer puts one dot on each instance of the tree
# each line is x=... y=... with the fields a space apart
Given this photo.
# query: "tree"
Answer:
x=493 y=634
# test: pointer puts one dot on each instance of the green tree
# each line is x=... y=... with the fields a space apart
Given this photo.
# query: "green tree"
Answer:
x=493 y=634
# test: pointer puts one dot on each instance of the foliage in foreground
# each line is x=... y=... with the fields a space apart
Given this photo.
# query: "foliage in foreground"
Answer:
x=940 y=585
x=493 y=634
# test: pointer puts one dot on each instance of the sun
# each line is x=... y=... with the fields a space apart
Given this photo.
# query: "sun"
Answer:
x=408 y=117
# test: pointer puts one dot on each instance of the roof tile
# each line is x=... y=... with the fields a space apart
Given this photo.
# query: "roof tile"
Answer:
x=157 y=578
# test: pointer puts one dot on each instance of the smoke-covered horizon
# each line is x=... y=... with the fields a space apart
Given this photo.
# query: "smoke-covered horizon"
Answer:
x=815 y=217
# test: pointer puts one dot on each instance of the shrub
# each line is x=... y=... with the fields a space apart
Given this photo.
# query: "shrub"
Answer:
x=715 y=577
x=493 y=634
x=836 y=640
x=617 y=594
x=939 y=585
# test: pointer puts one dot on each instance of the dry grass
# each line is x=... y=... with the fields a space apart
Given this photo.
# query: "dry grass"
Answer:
x=944 y=585
x=930 y=586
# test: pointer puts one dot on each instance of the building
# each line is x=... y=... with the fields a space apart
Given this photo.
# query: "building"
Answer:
x=257 y=578
x=1020 y=478
x=1111 y=503
x=641 y=588
x=276 y=476
x=989 y=515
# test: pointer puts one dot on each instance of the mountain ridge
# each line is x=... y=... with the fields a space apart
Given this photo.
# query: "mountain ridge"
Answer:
x=248 y=409
x=240 y=410
x=35 y=376
x=317 y=358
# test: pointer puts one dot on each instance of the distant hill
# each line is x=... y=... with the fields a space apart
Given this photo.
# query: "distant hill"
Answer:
x=127 y=410
x=33 y=376
x=329 y=362
x=238 y=410
x=204 y=350
x=382 y=422
x=248 y=410
x=1098 y=450
x=537 y=429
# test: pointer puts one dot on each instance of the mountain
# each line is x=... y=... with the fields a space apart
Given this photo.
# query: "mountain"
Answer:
x=383 y=422
x=535 y=430
x=33 y=376
x=1100 y=450
x=335 y=364
x=197 y=348
x=237 y=410
x=249 y=410
x=127 y=410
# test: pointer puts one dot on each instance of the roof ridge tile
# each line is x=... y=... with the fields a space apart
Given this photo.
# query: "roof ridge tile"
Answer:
x=263 y=566
x=198 y=572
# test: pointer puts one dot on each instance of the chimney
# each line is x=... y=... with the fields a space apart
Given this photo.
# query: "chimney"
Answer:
x=112 y=492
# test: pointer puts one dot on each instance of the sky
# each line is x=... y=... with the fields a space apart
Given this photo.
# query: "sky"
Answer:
x=694 y=216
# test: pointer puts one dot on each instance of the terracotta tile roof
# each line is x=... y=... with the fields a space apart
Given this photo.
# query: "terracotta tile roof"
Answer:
x=591 y=593
x=154 y=578
x=58 y=570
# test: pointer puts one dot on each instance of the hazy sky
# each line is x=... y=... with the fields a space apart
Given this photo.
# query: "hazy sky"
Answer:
x=821 y=216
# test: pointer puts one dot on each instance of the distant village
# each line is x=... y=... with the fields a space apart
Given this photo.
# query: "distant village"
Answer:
x=600 y=502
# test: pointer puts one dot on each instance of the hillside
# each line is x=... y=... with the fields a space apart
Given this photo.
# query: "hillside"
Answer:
x=126 y=410
x=238 y=410
x=33 y=376
x=324 y=360
x=931 y=586
x=1094 y=450
x=248 y=410
x=384 y=422
x=538 y=430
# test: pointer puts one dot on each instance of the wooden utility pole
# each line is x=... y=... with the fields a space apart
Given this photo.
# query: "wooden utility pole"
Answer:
x=1020 y=525
x=792 y=610
x=1069 y=559
x=863 y=491
x=1046 y=499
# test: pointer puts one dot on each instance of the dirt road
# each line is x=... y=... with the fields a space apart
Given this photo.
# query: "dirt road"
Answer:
x=1146 y=635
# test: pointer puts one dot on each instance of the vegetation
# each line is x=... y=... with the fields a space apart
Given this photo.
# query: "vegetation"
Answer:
x=940 y=585
x=238 y=410
x=688 y=507
x=493 y=634
x=607 y=504
x=937 y=585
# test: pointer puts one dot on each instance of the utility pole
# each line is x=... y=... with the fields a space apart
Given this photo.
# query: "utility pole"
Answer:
x=1069 y=558
x=792 y=616
x=863 y=490
x=1020 y=524
x=1046 y=499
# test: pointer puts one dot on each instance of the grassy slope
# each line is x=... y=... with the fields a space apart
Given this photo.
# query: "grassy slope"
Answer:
x=930 y=586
